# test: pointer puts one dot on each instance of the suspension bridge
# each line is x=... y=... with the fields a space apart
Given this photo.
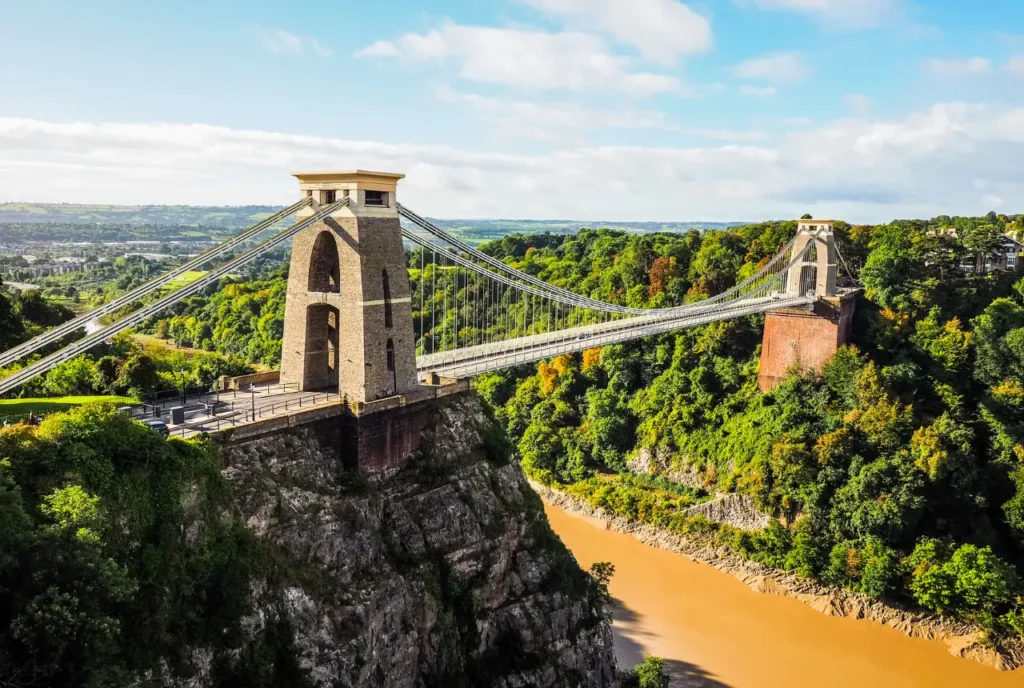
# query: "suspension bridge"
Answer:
x=358 y=326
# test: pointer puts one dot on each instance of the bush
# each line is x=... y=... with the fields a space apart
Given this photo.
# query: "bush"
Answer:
x=970 y=581
x=648 y=674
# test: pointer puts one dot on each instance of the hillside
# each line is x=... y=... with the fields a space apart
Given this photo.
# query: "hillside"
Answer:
x=102 y=223
x=177 y=215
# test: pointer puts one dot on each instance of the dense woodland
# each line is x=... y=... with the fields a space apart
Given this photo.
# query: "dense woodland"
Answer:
x=898 y=470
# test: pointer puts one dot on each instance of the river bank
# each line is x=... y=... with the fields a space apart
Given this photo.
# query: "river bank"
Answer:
x=961 y=640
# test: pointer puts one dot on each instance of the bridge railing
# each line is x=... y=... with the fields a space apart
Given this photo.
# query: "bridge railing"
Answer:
x=239 y=416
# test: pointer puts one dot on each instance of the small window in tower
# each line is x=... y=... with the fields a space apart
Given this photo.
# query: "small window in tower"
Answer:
x=377 y=199
x=391 y=356
x=330 y=196
x=387 y=298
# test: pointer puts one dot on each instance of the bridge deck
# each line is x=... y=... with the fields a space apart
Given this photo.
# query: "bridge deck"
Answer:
x=474 y=360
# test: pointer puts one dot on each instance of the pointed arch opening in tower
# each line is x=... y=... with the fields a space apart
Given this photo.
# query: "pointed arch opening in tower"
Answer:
x=320 y=366
x=390 y=350
x=324 y=266
x=388 y=317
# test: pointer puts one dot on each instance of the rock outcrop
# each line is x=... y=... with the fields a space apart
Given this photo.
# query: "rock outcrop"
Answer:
x=736 y=510
x=442 y=573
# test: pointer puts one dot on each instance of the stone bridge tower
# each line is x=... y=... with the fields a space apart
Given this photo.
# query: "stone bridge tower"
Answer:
x=348 y=315
x=807 y=338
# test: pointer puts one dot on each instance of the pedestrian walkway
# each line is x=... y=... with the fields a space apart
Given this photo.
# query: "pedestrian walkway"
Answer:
x=212 y=411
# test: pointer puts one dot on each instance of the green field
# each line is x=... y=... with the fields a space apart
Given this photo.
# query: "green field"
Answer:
x=17 y=408
x=182 y=281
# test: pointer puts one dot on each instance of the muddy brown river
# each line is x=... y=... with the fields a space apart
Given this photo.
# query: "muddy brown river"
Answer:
x=715 y=632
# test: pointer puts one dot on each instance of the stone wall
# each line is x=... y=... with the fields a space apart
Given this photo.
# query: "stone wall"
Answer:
x=441 y=573
x=806 y=339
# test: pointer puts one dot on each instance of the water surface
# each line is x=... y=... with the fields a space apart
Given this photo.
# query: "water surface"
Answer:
x=715 y=632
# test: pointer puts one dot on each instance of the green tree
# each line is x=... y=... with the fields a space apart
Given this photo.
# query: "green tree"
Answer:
x=994 y=358
x=931 y=583
x=138 y=373
x=74 y=376
x=651 y=673
x=971 y=580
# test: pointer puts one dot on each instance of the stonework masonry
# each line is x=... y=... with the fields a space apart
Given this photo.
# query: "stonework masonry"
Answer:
x=337 y=329
x=806 y=339
x=373 y=437
x=818 y=269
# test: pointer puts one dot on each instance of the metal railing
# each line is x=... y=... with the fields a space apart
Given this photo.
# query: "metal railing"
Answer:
x=157 y=404
x=237 y=417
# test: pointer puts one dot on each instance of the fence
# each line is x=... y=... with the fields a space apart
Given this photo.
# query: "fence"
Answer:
x=154 y=405
x=234 y=417
x=157 y=404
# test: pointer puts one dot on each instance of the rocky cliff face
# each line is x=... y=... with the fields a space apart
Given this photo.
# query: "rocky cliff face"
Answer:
x=442 y=574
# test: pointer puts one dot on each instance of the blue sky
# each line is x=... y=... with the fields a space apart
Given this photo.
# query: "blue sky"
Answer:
x=588 y=109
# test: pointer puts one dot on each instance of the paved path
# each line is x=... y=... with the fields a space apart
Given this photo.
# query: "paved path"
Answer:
x=217 y=411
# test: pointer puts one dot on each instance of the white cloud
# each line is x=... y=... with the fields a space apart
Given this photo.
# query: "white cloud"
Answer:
x=283 y=42
x=530 y=60
x=662 y=30
x=973 y=65
x=380 y=49
x=759 y=91
x=841 y=14
x=728 y=135
x=859 y=103
x=776 y=68
x=917 y=166
x=1015 y=65
x=529 y=119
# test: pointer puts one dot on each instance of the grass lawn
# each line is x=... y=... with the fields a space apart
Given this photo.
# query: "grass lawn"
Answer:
x=23 y=407
x=180 y=281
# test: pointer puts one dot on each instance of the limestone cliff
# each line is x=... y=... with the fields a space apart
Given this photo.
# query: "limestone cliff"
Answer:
x=444 y=573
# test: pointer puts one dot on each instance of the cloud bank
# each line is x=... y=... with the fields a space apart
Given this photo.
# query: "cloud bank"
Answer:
x=951 y=158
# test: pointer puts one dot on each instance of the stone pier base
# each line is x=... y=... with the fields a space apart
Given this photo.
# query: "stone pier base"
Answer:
x=368 y=436
x=806 y=339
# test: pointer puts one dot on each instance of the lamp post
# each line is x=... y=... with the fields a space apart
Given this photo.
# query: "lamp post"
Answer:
x=182 y=378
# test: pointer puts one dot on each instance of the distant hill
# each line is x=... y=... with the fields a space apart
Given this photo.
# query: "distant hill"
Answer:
x=485 y=230
x=98 y=223
x=152 y=215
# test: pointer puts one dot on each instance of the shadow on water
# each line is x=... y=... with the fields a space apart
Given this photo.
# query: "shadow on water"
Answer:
x=629 y=653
